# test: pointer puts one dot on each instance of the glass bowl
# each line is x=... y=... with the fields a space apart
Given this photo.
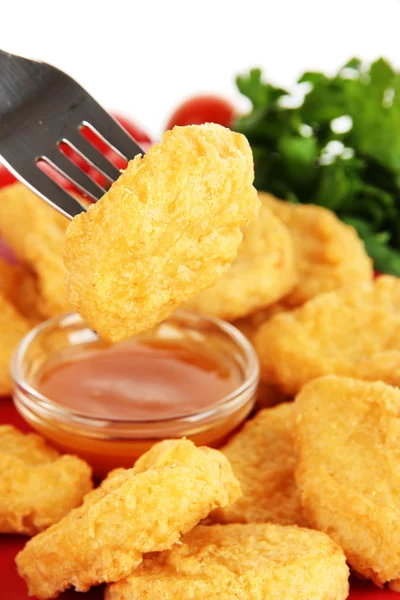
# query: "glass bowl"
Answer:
x=109 y=443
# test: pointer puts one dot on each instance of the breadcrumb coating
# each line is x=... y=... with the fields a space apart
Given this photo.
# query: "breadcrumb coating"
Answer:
x=147 y=508
x=13 y=327
x=263 y=458
x=328 y=252
x=37 y=241
x=37 y=486
x=353 y=332
x=167 y=228
x=241 y=562
x=348 y=438
x=19 y=286
x=263 y=272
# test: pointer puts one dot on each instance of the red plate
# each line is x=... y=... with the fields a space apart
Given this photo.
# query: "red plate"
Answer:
x=13 y=588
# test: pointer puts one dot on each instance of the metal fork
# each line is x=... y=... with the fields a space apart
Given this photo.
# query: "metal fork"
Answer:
x=42 y=108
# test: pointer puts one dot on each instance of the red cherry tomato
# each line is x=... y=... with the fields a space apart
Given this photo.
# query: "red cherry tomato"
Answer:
x=203 y=109
x=5 y=177
x=134 y=129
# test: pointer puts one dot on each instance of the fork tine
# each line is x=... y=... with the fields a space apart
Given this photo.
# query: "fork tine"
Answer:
x=121 y=141
x=74 y=174
x=96 y=159
x=103 y=123
x=40 y=106
x=46 y=188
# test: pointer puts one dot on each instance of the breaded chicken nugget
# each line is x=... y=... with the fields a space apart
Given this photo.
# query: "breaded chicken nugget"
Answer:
x=267 y=395
x=354 y=332
x=37 y=485
x=36 y=234
x=147 y=508
x=263 y=458
x=250 y=324
x=329 y=253
x=13 y=327
x=30 y=447
x=241 y=562
x=19 y=286
x=167 y=228
x=348 y=437
x=262 y=273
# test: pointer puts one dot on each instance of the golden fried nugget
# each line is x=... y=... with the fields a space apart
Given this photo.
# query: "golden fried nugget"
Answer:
x=37 y=485
x=147 y=508
x=348 y=438
x=267 y=395
x=329 y=253
x=263 y=272
x=250 y=324
x=167 y=228
x=36 y=234
x=30 y=447
x=13 y=327
x=241 y=562
x=19 y=286
x=263 y=458
x=354 y=332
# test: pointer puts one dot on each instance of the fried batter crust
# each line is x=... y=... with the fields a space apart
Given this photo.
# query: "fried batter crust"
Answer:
x=263 y=459
x=13 y=327
x=167 y=228
x=328 y=252
x=348 y=438
x=19 y=286
x=38 y=241
x=170 y=489
x=37 y=486
x=263 y=272
x=244 y=562
x=353 y=332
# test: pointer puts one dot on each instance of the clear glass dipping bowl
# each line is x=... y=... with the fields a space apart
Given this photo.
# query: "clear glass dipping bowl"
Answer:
x=109 y=443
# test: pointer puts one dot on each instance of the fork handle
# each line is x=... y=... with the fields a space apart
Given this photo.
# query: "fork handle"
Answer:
x=21 y=86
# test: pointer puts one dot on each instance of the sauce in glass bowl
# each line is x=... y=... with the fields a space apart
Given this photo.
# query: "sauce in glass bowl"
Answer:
x=191 y=376
x=155 y=379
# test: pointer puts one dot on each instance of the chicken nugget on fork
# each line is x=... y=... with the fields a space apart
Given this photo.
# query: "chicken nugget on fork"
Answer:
x=167 y=228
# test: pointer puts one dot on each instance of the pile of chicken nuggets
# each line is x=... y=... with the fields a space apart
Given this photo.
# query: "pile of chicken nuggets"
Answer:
x=310 y=485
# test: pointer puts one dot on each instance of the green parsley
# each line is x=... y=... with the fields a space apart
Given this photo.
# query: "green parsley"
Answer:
x=336 y=145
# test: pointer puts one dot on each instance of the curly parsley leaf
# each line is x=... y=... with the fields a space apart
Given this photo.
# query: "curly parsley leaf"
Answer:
x=339 y=147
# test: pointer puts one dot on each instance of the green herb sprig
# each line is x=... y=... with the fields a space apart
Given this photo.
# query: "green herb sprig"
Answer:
x=337 y=146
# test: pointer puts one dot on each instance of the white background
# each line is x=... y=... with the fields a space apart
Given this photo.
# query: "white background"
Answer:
x=142 y=57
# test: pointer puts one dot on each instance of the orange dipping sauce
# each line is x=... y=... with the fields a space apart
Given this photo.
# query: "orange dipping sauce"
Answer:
x=190 y=376
x=137 y=381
